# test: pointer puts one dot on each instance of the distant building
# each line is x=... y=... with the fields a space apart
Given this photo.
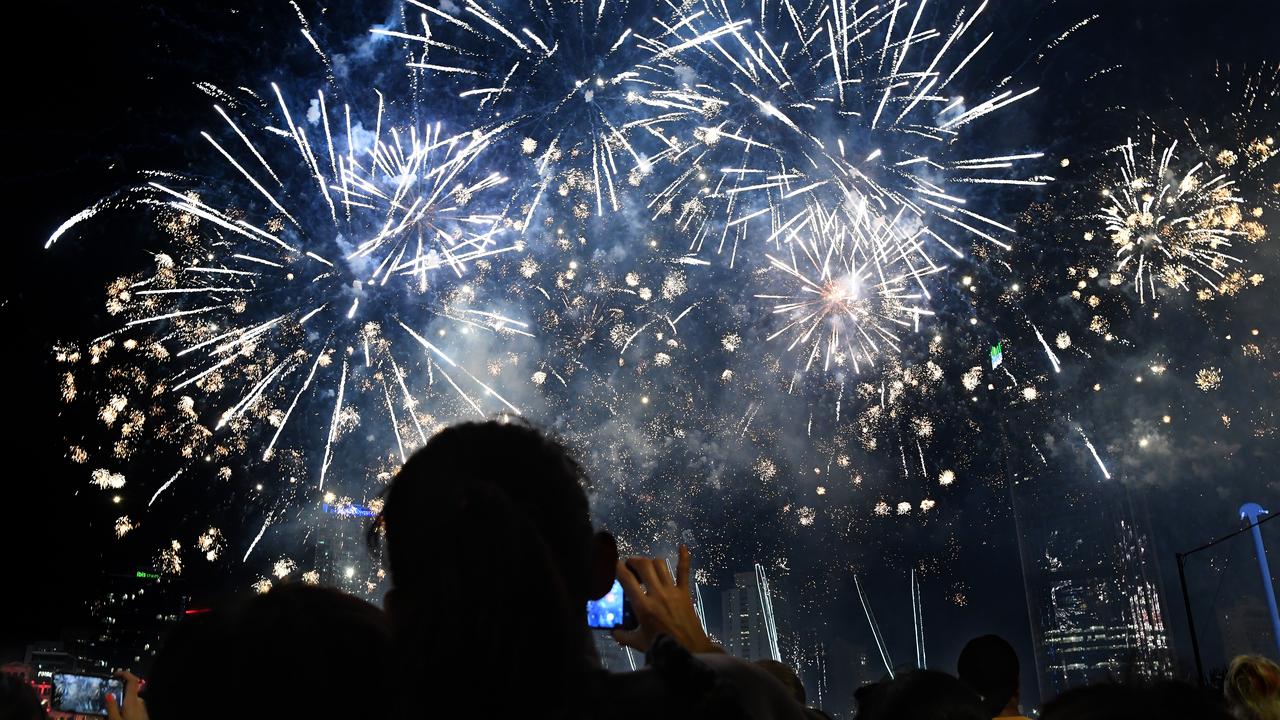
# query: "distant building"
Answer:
x=128 y=618
x=864 y=670
x=1092 y=586
x=43 y=659
x=1245 y=628
x=748 y=623
x=811 y=664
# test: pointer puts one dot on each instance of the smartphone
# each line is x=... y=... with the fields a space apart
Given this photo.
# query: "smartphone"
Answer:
x=611 y=611
x=85 y=694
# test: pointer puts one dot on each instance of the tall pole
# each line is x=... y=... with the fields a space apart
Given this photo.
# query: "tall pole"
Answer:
x=1252 y=512
x=1191 y=620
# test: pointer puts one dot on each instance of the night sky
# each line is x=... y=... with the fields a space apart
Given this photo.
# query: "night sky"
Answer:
x=108 y=90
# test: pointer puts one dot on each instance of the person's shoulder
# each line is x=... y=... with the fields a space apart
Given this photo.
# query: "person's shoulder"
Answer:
x=710 y=684
x=761 y=693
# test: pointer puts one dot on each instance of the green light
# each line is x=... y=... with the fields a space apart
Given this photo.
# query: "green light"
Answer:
x=147 y=575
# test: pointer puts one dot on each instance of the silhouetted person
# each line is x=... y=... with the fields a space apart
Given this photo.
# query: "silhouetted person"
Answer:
x=493 y=558
x=1252 y=688
x=18 y=700
x=1111 y=701
x=787 y=676
x=296 y=651
x=989 y=665
x=919 y=695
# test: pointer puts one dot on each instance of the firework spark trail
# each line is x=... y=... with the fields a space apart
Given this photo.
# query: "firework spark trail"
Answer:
x=333 y=427
x=1053 y=359
x=1093 y=451
x=75 y=220
x=162 y=488
x=257 y=537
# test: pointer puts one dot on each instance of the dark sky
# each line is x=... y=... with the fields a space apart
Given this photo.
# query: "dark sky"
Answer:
x=98 y=91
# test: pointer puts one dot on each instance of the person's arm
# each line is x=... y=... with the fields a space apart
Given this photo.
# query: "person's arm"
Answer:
x=663 y=606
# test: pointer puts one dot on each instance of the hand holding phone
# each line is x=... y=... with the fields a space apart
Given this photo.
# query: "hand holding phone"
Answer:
x=85 y=694
x=663 y=606
x=132 y=707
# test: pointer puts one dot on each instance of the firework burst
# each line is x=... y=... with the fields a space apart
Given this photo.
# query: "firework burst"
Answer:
x=851 y=299
x=1171 y=227
x=328 y=285
x=569 y=77
x=827 y=102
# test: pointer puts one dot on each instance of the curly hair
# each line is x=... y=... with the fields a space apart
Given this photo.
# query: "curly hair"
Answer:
x=1252 y=687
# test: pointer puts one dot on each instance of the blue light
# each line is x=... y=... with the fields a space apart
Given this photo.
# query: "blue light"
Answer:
x=348 y=510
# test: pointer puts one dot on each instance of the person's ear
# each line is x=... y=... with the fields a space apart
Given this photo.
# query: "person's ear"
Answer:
x=604 y=563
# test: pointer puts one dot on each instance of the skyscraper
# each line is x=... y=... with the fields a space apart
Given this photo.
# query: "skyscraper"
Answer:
x=748 y=623
x=1093 y=590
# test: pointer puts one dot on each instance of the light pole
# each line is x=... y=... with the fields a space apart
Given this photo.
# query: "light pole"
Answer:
x=1253 y=513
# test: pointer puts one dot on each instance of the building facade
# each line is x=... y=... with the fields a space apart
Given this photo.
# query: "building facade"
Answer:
x=1092 y=584
x=750 y=630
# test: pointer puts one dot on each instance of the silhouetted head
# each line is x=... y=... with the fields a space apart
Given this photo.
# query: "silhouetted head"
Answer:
x=459 y=477
x=493 y=558
x=18 y=700
x=1252 y=687
x=989 y=665
x=296 y=651
x=1111 y=701
x=192 y=656
x=309 y=651
x=919 y=695
x=788 y=677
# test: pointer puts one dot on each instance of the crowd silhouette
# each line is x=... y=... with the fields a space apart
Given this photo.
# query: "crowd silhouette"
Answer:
x=485 y=511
